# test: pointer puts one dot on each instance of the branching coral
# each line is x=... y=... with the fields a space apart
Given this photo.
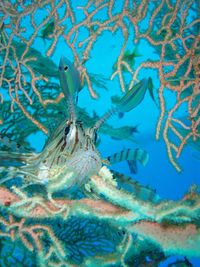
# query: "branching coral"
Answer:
x=172 y=30
x=156 y=223
x=28 y=81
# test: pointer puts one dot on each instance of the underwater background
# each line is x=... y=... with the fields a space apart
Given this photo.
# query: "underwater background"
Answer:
x=114 y=45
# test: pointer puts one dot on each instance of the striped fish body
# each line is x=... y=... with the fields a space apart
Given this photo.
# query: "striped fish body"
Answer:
x=131 y=156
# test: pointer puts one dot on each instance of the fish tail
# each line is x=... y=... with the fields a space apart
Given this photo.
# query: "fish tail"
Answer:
x=140 y=155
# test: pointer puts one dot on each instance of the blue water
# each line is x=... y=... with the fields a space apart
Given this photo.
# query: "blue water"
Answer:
x=159 y=172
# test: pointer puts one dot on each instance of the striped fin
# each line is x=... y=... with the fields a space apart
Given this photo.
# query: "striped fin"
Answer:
x=132 y=166
x=17 y=156
x=137 y=154
x=14 y=158
x=139 y=191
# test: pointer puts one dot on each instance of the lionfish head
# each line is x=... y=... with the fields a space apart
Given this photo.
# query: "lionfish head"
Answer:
x=84 y=159
x=78 y=137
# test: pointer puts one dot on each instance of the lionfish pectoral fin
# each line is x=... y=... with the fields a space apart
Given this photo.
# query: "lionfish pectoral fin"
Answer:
x=14 y=158
x=12 y=173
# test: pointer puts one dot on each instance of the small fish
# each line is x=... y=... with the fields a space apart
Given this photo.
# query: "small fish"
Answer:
x=47 y=30
x=18 y=157
x=42 y=65
x=95 y=116
x=133 y=97
x=128 y=57
x=115 y=99
x=146 y=83
x=70 y=83
x=121 y=133
x=131 y=156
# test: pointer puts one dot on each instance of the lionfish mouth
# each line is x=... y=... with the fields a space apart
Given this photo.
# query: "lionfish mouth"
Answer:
x=84 y=164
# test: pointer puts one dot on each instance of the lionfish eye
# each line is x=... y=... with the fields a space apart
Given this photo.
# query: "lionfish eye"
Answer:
x=65 y=68
x=67 y=130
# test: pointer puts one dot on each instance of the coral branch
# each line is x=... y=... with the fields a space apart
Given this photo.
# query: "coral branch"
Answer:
x=181 y=240
x=171 y=33
x=171 y=237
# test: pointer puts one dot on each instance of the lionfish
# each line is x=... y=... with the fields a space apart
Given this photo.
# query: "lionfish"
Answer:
x=70 y=156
